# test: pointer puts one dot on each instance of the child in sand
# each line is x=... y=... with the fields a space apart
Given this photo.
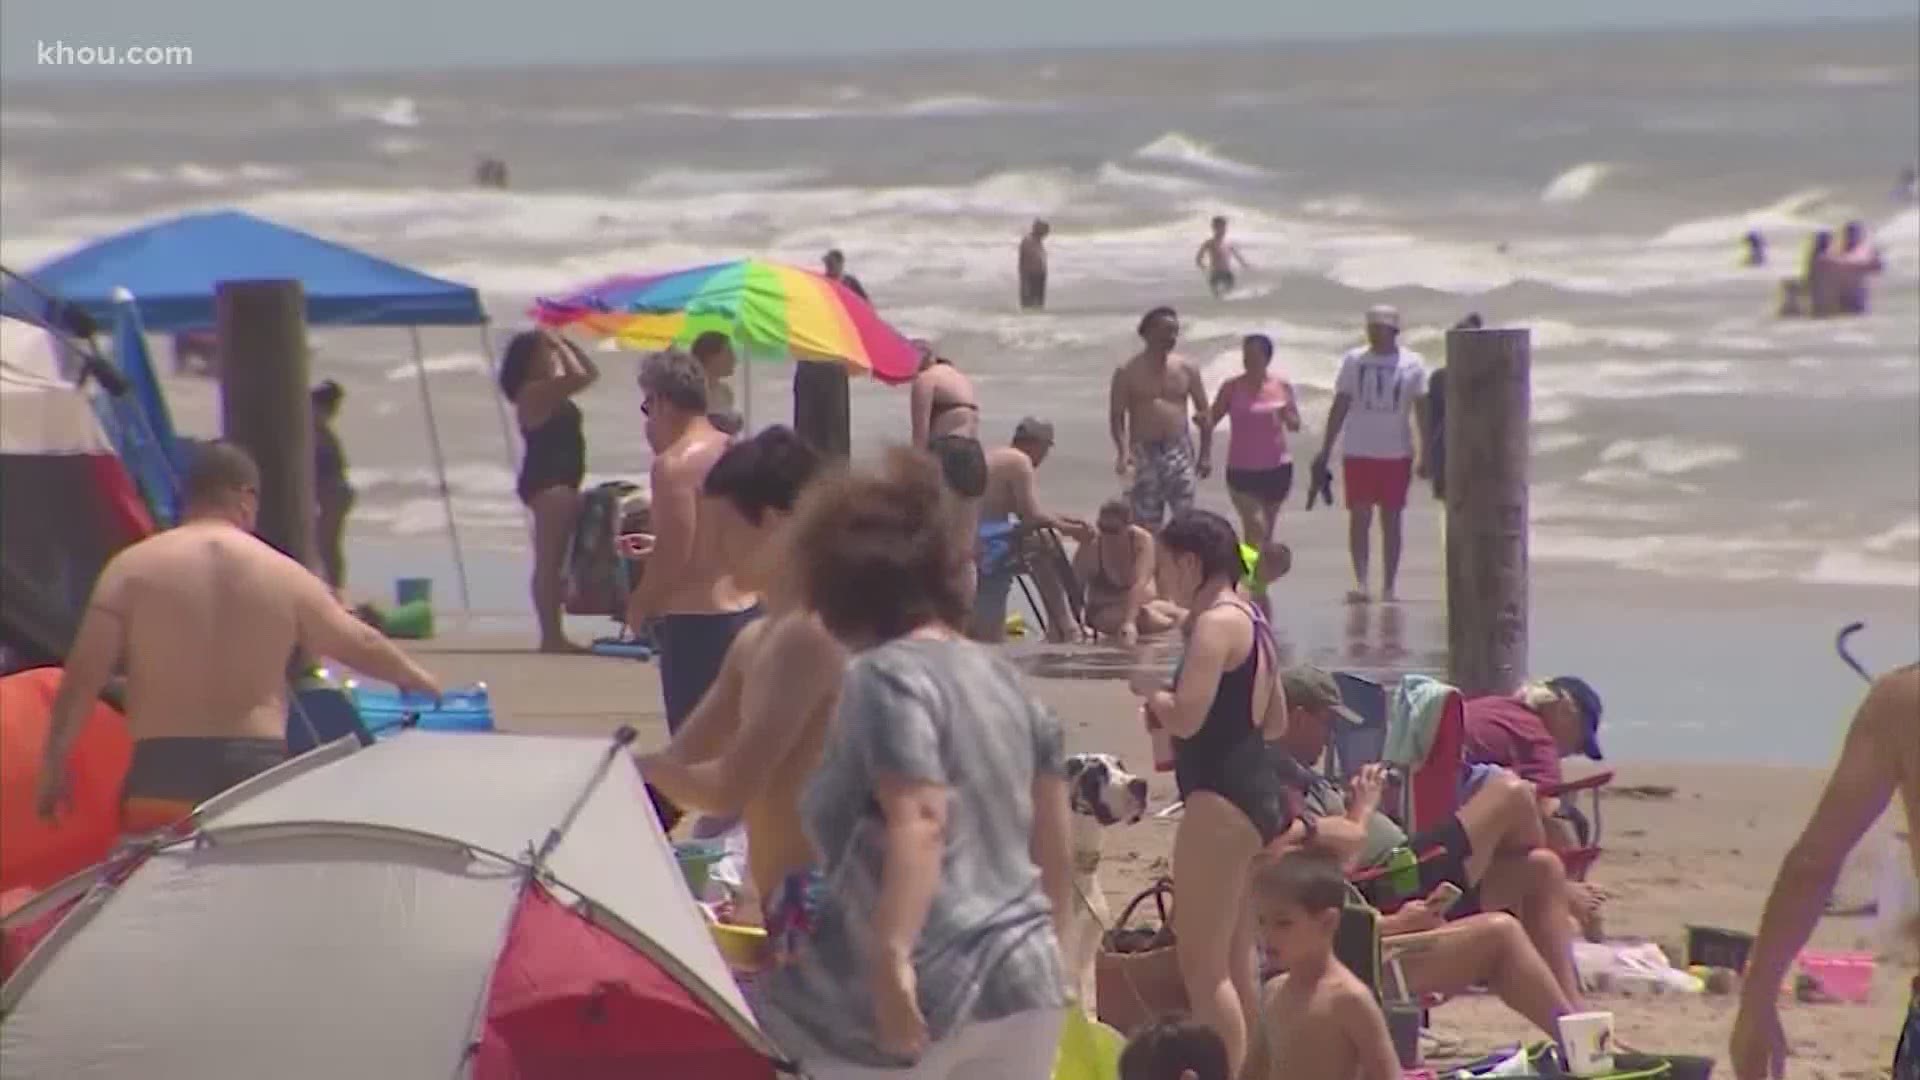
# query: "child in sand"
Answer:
x=1174 y=1048
x=1320 y=1019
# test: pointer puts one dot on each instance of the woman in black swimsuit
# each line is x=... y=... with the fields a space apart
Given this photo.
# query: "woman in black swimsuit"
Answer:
x=1226 y=703
x=540 y=374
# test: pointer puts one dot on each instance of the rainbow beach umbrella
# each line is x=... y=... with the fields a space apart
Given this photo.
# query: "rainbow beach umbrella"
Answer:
x=771 y=311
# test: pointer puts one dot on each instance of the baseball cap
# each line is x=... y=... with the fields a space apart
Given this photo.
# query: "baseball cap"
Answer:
x=1310 y=686
x=1033 y=429
x=1384 y=315
x=1588 y=702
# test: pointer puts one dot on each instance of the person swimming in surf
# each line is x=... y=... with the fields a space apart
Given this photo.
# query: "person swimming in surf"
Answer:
x=1216 y=256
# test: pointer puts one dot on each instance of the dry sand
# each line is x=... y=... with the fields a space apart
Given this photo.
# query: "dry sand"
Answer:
x=1705 y=855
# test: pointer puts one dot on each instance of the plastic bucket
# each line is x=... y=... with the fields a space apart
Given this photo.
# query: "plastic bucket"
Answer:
x=407 y=590
x=1844 y=976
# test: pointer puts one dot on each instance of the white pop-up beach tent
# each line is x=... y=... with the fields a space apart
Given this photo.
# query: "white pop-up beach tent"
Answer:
x=501 y=907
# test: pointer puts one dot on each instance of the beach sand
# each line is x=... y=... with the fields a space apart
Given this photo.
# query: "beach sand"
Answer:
x=1704 y=855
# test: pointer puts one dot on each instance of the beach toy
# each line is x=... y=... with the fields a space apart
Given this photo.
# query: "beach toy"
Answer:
x=1588 y=1039
x=1842 y=976
x=696 y=859
x=385 y=709
x=411 y=621
x=1710 y=946
x=744 y=948
x=1016 y=625
x=407 y=590
x=35 y=853
x=1089 y=1049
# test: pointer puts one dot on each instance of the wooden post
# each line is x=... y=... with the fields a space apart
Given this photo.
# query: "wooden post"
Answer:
x=1488 y=425
x=264 y=405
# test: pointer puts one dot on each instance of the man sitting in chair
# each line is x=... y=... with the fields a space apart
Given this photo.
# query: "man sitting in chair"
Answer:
x=1010 y=515
x=1493 y=847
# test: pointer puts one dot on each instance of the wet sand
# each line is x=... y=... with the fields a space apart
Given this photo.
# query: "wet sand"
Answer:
x=1705 y=855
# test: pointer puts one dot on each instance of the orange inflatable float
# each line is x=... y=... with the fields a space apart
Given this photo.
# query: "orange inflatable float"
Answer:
x=34 y=853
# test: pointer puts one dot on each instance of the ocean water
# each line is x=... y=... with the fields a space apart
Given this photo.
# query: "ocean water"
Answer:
x=1593 y=188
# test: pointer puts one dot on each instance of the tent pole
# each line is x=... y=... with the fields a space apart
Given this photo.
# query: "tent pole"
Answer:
x=440 y=471
x=500 y=410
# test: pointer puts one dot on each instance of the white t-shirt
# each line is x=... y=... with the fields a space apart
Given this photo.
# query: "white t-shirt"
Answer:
x=1381 y=390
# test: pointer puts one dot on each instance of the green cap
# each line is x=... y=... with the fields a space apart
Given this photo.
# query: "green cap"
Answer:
x=1310 y=686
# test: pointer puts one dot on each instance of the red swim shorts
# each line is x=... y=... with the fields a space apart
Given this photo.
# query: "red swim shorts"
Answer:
x=1381 y=482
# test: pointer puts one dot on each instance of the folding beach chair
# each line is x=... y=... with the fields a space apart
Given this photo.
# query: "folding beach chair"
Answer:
x=1432 y=791
x=1033 y=549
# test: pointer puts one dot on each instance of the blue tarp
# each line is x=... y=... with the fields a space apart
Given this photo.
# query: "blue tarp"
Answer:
x=173 y=266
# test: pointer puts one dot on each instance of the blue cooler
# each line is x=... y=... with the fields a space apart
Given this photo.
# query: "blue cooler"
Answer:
x=385 y=709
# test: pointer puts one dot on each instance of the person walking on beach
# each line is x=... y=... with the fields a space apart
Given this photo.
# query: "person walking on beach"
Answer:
x=1263 y=410
x=1225 y=704
x=1147 y=404
x=1380 y=404
x=694 y=607
x=540 y=375
x=752 y=743
x=1010 y=515
x=204 y=617
x=1880 y=758
x=1216 y=257
x=1033 y=266
x=939 y=809
x=333 y=495
x=714 y=351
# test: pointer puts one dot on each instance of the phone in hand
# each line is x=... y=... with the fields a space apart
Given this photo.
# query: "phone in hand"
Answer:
x=1444 y=896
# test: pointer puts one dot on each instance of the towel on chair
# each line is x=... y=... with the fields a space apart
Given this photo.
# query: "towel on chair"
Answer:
x=1413 y=718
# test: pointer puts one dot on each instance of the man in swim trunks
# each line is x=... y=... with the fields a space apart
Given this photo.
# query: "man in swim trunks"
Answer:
x=1010 y=515
x=204 y=618
x=1217 y=257
x=1379 y=400
x=1147 y=405
x=1881 y=758
x=1033 y=267
x=686 y=593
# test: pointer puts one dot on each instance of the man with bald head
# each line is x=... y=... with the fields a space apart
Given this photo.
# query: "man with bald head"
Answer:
x=205 y=618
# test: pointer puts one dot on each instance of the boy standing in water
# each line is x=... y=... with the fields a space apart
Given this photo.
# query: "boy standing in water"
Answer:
x=1217 y=257
x=1320 y=1019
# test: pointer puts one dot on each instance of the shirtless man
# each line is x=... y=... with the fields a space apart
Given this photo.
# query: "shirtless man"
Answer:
x=1318 y=1019
x=695 y=607
x=1033 y=266
x=1147 y=415
x=1115 y=567
x=751 y=745
x=1010 y=515
x=1217 y=257
x=1880 y=758
x=205 y=617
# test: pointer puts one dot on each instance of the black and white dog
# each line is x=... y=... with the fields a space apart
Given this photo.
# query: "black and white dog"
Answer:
x=1101 y=793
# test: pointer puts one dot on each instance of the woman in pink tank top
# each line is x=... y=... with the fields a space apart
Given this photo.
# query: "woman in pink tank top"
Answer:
x=1262 y=409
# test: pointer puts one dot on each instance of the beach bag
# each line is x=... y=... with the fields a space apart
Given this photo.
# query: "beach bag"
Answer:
x=1137 y=974
x=598 y=578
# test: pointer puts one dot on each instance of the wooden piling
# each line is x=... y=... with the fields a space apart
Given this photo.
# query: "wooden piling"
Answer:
x=1488 y=428
x=264 y=405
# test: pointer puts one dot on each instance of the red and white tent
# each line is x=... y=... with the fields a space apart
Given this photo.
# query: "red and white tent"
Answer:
x=67 y=503
x=499 y=907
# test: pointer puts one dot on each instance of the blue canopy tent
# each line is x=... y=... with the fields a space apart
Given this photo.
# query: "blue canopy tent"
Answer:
x=173 y=268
